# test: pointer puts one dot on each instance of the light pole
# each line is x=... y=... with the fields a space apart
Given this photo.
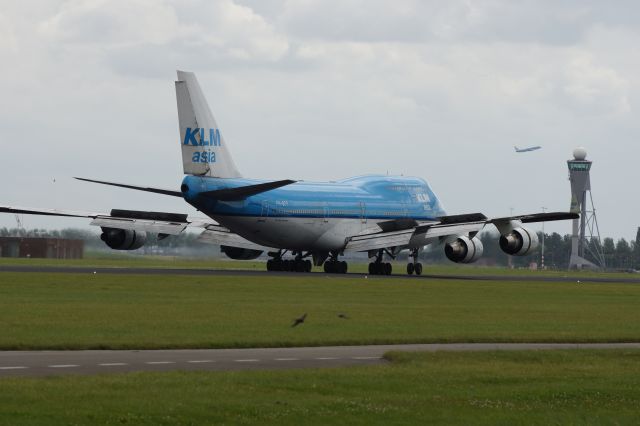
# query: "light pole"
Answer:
x=544 y=209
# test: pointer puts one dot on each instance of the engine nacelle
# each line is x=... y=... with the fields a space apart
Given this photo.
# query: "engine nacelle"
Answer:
x=238 y=253
x=519 y=242
x=123 y=239
x=464 y=249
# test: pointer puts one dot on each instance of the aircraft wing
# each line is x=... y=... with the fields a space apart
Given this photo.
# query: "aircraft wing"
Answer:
x=154 y=222
x=216 y=234
x=421 y=234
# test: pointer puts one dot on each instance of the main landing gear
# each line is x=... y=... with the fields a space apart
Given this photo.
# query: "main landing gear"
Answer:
x=414 y=266
x=334 y=266
x=297 y=264
x=378 y=267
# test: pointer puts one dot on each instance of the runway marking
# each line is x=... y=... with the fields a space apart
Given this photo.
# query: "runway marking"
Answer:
x=326 y=358
x=200 y=361
x=159 y=362
x=13 y=368
x=246 y=360
x=366 y=357
x=287 y=359
x=63 y=366
x=112 y=364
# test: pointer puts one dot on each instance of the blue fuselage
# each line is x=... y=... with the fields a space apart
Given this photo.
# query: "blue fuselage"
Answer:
x=314 y=208
x=371 y=197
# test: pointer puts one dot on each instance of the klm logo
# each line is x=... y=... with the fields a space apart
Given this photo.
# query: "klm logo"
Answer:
x=198 y=137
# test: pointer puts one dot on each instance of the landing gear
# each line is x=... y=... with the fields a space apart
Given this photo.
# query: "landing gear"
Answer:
x=288 y=265
x=415 y=266
x=334 y=266
x=378 y=267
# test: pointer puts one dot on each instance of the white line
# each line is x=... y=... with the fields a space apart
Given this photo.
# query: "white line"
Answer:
x=112 y=364
x=13 y=368
x=327 y=358
x=287 y=359
x=63 y=366
x=200 y=361
x=160 y=362
x=246 y=360
x=366 y=357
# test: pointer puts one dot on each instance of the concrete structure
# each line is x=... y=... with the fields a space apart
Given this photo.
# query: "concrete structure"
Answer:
x=586 y=235
x=52 y=248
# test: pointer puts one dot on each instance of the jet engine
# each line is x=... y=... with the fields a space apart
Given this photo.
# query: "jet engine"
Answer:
x=238 y=253
x=123 y=239
x=464 y=249
x=519 y=242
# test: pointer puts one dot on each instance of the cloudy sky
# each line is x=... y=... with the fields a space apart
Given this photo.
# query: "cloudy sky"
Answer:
x=320 y=90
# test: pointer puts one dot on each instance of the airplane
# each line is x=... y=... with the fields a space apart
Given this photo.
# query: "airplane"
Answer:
x=311 y=223
x=532 y=148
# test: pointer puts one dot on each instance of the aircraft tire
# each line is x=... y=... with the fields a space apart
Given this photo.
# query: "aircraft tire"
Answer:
x=327 y=267
x=388 y=268
x=418 y=268
x=307 y=265
x=269 y=265
x=343 y=267
x=410 y=268
x=300 y=266
x=371 y=269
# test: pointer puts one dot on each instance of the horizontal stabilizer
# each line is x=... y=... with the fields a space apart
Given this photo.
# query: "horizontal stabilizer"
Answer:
x=138 y=188
x=242 y=192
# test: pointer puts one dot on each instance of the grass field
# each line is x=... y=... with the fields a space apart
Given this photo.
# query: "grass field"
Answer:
x=545 y=387
x=74 y=311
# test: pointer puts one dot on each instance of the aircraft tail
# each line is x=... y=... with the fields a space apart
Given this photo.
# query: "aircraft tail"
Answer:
x=204 y=150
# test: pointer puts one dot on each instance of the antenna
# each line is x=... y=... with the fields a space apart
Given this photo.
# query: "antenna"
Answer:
x=20 y=224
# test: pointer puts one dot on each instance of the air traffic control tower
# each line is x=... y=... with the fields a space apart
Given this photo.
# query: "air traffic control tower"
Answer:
x=585 y=237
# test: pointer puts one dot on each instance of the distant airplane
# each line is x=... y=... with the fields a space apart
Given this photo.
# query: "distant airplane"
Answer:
x=531 y=148
x=312 y=221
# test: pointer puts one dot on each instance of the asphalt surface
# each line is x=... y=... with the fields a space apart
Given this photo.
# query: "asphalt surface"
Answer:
x=247 y=273
x=49 y=363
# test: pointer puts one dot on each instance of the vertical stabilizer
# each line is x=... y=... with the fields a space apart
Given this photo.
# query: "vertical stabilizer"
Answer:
x=204 y=150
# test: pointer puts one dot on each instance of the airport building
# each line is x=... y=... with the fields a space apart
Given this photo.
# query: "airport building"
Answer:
x=51 y=248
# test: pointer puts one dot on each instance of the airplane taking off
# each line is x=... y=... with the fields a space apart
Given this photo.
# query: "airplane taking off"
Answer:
x=379 y=215
x=532 y=148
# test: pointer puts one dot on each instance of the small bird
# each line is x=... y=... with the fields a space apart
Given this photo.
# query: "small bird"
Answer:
x=298 y=321
x=343 y=316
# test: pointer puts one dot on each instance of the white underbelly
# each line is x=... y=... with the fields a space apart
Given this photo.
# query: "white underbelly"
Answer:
x=296 y=233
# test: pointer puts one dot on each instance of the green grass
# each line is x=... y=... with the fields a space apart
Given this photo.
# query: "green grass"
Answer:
x=536 y=387
x=77 y=311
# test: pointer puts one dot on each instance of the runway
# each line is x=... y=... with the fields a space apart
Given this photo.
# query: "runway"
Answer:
x=247 y=273
x=50 y=363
